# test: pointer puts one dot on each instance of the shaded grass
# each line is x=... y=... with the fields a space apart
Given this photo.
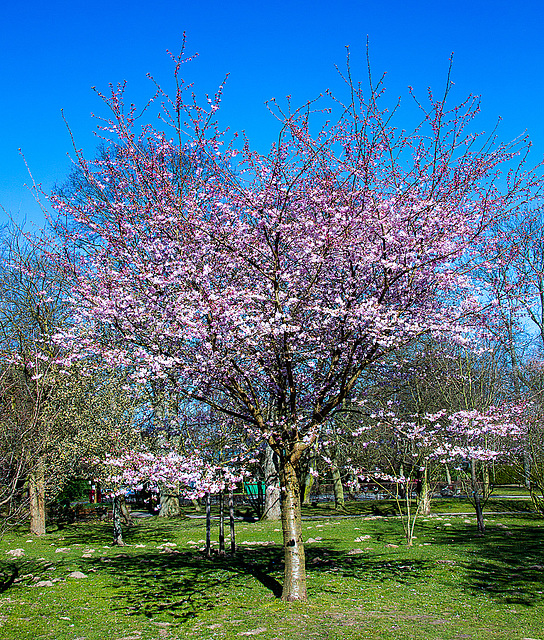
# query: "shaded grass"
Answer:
x=363 y=582
x=520 y=503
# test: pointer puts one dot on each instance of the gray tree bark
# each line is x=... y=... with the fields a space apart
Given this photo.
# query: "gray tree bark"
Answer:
x=36 y=487
x=272 y=503
x=117 y=530
x=169 y=505
x=294 y=584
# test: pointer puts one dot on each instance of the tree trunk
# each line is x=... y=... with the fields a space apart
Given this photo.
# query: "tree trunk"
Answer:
x=208 y=525
x=272 y=507
x=231 y=521
x=309 y=477
x=221 y=525
x=476 y=496
x=486 y=481
x=308 y=484
x=169 y=505
x=527 y=470
x=426 y=493
x=37 y=500
x=117 y=531
x=338 y=488
x=126 y=518
x=260 y=499
x=479 y=514
x=294 y=584
x=401 y=486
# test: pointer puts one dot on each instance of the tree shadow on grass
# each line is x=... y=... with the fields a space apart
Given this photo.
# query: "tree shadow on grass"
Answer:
x=367 y=567
x=155 y=531
x=510 y=564
x=8 y=575
x=507 y=563
x=181 y=585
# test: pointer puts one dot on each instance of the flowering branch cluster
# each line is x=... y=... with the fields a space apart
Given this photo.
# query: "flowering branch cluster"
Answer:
x=190 y=476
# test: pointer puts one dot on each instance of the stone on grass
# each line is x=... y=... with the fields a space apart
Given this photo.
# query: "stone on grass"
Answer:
x=16 y=553
x=77 y=574
x=44 y=583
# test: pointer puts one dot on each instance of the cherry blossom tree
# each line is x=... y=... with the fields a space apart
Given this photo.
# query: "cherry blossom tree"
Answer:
x=187 y=475
x=469 y=439
x=264 y=285
x=464 y=440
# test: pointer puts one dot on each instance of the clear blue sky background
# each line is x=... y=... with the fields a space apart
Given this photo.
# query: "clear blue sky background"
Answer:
x=52 y=53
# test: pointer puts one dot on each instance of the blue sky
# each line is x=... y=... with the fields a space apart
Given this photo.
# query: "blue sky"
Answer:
x=51 y=54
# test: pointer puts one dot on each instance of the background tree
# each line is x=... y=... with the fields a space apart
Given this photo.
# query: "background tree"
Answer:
x=54 y=419
x=32 y=309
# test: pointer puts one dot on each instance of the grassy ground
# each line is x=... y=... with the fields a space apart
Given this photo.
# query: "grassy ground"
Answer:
x=514 y=503
x=364 y=582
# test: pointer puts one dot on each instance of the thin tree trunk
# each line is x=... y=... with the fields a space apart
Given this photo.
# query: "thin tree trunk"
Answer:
x=401 y=492
x=221 y=525
x=479 y=514
x=260 y=499
x=527 y=470
x=231 y=521
x=338 y=488
x=309 y=477
x=294 y=584
x=272 y=508
x=117 y=531
x=208 y=525
x=487 y=481
x=36 y=489
x=426 y=493
x=126 y=518
x=308 y=484
x=476 y=496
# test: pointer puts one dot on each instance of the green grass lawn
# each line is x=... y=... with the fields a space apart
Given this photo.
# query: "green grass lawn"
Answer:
x=438 y=505
x=363 y=581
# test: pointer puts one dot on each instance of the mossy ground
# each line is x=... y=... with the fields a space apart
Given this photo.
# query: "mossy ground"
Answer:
x=363 y=581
